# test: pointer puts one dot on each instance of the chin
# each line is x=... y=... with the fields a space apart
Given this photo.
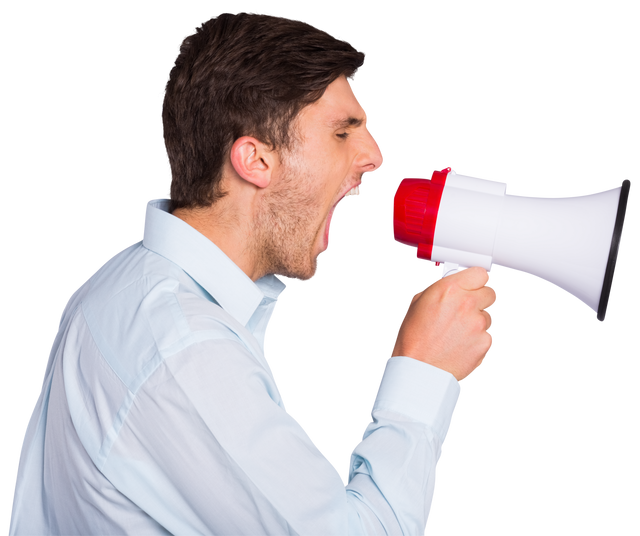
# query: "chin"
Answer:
x=300 y=271
x=302 y=276
x=312 y=273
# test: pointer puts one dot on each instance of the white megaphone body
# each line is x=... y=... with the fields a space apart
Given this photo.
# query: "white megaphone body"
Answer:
x=463 y=221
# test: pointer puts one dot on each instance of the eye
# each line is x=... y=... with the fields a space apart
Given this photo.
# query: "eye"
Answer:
x=343 y=135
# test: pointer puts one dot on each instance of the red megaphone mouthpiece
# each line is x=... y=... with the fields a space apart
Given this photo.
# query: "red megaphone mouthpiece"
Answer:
x=415 y=211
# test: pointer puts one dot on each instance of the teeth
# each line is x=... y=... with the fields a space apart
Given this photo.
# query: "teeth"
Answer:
x=354 y=191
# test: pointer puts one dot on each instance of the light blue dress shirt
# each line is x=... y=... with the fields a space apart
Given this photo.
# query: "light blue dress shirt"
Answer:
x=159 y=414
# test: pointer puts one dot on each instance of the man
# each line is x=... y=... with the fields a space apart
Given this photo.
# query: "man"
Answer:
x=159 y=413
x=277 y=217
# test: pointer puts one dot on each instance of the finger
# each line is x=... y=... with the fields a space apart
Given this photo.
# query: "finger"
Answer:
x=490 y=297
x=490 y=320
x=485 y=297
x=487 y=318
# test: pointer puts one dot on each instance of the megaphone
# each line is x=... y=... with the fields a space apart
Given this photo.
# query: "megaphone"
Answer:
x=464 y=221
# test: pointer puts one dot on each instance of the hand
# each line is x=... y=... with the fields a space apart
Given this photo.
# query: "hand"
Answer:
x=446 y=325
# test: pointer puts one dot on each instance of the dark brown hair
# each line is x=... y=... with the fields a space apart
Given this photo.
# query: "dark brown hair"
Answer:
x=242 y=75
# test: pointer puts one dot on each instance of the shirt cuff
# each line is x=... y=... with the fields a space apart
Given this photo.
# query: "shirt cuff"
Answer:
x=419 y=391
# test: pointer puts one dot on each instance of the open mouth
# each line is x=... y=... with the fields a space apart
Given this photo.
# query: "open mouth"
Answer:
x=329 y=225
x=354 y=191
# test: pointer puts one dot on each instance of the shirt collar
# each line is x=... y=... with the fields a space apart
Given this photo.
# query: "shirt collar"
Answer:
x=180 y=243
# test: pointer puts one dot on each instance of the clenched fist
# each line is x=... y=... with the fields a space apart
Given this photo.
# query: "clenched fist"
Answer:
x=446 y=325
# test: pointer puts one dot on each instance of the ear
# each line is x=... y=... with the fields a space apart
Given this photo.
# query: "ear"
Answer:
x=253 y=161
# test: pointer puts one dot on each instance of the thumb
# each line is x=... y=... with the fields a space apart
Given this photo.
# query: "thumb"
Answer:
x=471 y=278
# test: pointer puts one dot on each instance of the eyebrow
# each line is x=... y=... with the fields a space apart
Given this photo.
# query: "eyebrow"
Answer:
x=348 y=122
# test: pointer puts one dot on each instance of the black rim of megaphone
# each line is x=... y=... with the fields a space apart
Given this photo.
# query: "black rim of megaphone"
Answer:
x=613 y=252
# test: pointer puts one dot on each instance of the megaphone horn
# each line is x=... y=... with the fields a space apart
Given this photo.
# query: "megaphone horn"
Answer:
x=571 y=242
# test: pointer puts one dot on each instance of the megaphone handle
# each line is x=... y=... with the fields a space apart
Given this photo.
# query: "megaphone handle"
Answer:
x=451 y=268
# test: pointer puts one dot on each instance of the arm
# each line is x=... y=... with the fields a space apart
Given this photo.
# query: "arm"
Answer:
x=206 y=447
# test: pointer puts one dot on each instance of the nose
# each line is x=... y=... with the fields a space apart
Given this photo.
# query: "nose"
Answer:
x=370 y=157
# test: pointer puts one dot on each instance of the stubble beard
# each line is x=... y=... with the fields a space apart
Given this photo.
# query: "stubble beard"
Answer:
x=285 y=232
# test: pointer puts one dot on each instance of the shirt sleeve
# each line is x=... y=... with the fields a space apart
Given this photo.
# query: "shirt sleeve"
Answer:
x=206 y=448
x=400 y=449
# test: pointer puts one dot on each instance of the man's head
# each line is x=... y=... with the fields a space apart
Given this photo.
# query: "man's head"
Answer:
x=265 y=137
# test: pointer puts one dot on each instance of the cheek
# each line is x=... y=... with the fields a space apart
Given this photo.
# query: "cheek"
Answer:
x=327 y=167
